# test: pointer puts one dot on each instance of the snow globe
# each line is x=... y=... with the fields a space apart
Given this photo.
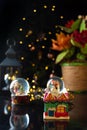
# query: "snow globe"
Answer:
x=19 y=89
x=57 y=100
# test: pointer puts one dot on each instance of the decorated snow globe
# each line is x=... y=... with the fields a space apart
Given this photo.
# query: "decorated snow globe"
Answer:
x=57 y=100
x=19 y=89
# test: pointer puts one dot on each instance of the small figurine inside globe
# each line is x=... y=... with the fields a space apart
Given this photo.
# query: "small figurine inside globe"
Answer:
x=54 y=87
x=55 y=84
x=19 y=89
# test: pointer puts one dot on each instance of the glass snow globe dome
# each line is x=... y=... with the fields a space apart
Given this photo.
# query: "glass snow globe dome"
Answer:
x=55 y=82
x=19 y=87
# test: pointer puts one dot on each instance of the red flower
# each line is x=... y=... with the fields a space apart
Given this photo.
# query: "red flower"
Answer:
x=69 y=23
x=71 y=41
x=80 y=37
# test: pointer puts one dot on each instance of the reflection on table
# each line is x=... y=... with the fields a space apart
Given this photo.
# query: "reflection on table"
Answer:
x=30 y=117
x=21 y=117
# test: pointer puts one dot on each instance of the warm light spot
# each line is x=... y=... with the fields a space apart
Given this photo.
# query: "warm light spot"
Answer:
x=29 y=45
x=53 y=59
x=33 y=65
x=86 y=17
x=32 y=48
x=33 y=81
x=46 y=67
x=31 y=89
x=39 y=89
x=45 y=38
x=53 y=6
x=29 y=94
x=29 y=32
x=43 y=46
x=53 y=9
x=49 y=33
x=34 y=10
x=37 y=40
x=33 y=98
x=79 y=16
x=9 y=77
x=23 y=18
x=9 y=108
x=45 y=6
x=22 y=58
x=27 y=78
x=20 y=29
x=61 y=17
x=16 y=71
x=30 y=100
x=13 y=77
x=56 y=26
x=33 y=86
x=21 y=42
x=26 y=35
x=32 y=95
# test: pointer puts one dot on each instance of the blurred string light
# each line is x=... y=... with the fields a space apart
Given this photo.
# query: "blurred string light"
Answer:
x=29 y=45
x=33 y=64
x=49 y=33
x=20 y=29
x=29 y=32
x=53 y=9
x=43 y=47
x=37 y=40
x=32 y=48
x=23 y=18
x=46 y=67
x=20 y=42
x=26 y=36
x=53 y=6
x=27 y=78
x=61 y=17
x=34 y=10
x=22 y=58
x=40 y=39
x=45 y=6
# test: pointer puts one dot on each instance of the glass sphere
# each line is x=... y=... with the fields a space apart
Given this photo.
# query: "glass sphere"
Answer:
x=55 y=82
x=19 y=122
x=19 y=87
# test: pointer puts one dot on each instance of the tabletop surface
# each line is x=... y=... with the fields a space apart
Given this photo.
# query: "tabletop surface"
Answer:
x=30 y=117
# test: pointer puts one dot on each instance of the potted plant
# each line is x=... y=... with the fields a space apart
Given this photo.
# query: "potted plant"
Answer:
x=71 y=44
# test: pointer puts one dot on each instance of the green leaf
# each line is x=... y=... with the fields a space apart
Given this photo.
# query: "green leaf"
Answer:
x=71 y=52
x=76 y=24
x=84 y=49
x=83 y=25
x=61 y=56
x=67 y=30
x=74 y=43
x=80 y=56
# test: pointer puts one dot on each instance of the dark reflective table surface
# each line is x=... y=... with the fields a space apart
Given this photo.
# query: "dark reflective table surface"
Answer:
x=30 y=117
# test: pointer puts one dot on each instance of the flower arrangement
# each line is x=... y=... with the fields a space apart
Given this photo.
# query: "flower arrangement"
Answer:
x=71 y=42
